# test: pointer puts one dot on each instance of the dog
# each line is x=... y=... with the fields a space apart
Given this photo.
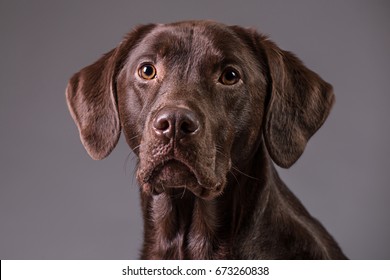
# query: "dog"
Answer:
x=208 y=109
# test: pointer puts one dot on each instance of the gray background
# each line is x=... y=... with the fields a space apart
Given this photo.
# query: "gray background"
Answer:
x=57 y=203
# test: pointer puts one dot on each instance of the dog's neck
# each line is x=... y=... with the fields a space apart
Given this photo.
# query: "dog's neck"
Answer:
x=179 y=225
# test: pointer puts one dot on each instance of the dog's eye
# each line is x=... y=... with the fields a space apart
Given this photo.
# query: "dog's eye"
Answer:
x=147 y=72
x=229 y=77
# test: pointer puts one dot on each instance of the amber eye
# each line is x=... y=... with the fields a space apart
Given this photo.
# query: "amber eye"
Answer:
x=147 y=72
x=229 y=77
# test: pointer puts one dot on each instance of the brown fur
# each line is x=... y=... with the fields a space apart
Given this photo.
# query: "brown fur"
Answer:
x=209 y=188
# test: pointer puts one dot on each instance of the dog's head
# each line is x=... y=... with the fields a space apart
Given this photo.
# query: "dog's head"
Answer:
x=193 y=98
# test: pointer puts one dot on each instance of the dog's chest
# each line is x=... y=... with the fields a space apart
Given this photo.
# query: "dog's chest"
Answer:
x=185 y=228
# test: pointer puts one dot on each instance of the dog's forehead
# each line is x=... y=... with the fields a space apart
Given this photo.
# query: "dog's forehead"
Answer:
x=206 y=40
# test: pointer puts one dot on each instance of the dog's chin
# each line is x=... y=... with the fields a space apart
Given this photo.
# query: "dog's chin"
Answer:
x=173 y=174
x=174 y=177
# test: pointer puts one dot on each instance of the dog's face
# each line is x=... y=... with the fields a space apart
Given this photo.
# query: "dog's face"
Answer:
x=195 y=99
x=186 y=98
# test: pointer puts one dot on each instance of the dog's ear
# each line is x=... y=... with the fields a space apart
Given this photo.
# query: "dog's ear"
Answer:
x=299 y=103
x=91 y=97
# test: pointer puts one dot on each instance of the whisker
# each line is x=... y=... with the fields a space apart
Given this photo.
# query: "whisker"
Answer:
x=184 y=191
x=243 y=173
x=136 y=148
x=132 y=138
x=131 y=157
x=126 y=162
x=235 y=168
x=235 y=177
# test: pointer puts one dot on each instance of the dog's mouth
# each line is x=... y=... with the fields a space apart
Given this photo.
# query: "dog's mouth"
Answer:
x=176 y=174
x=172 y=173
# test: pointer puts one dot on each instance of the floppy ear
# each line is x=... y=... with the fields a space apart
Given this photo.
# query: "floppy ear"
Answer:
x=299 y=103
x=91 y=97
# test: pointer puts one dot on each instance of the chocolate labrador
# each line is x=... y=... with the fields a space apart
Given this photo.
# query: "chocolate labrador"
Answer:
x=208 y=108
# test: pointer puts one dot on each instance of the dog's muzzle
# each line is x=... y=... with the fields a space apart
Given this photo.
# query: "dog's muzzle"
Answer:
x=173 y=158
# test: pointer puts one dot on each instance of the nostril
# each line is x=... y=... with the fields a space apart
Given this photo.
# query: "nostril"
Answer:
x=161 y=123
x=189 y=126
x=175 y=123
x=164 y=125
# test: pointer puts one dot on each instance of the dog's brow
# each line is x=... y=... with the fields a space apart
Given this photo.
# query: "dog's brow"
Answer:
x=191 y=49
x=184 y=42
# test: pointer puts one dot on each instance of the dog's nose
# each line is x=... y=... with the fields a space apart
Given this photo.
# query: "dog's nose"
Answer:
x=175 y=123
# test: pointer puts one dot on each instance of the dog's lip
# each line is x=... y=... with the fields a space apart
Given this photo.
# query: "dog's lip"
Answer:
x=151 y=173
x=203 y=187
